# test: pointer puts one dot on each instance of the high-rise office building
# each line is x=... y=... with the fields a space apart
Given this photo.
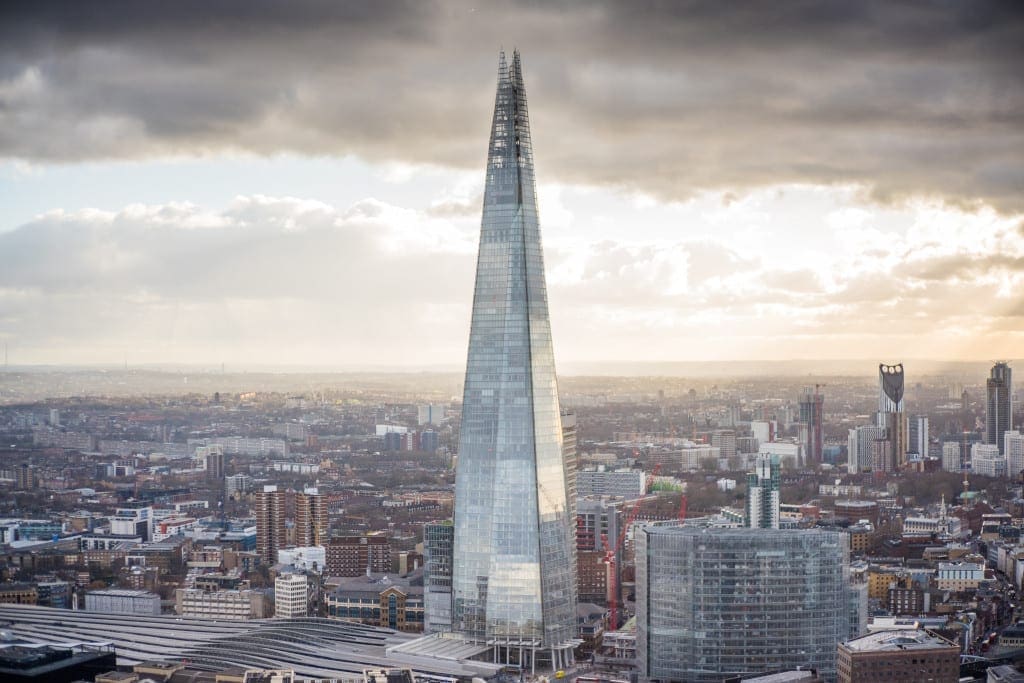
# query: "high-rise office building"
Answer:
x=711 y=603
x=998 y=404
x=897 y=431
x=214 y=462
x=513 y=585
x=917 y=435
x=725 y=441
x=812 y=406
x=1013 y=446
x=952 y=456
x=763 y=493
x=270 y=528
x=437 y=577
x=859 y=447
x=24 y=477
x=311 y=525
x=598 y=520
x=881 y=455
x=571 y=458
x=763 y=431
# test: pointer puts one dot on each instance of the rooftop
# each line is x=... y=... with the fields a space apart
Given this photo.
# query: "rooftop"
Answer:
x=905 y=639
x=312 y=647
x=123 y=593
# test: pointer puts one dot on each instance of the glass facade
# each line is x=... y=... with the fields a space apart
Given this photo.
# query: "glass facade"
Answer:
x=513 y=555
x=712 y=603
x=999 y=405
x=437 y=580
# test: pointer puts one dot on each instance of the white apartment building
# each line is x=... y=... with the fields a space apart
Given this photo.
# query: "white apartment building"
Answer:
x=951 y=460
x=291 y=597
x=985 y=460
x=602 y=482
x=784 y=450
x=133 y=521
x=1013 y=447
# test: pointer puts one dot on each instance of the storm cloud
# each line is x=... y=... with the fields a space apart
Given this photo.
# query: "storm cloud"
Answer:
x=665 y=99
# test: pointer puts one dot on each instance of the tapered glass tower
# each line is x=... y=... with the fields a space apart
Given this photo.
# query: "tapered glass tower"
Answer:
x=513 y=583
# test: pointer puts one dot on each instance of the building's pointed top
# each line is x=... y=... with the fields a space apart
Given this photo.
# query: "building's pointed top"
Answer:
x=502 y=66
x=516 y=73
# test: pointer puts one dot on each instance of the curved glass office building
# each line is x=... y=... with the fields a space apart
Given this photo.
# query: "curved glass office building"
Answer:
x=513 y=581
x=713 y=603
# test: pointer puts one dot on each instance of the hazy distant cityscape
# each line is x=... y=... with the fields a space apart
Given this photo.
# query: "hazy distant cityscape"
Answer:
x=380 y=451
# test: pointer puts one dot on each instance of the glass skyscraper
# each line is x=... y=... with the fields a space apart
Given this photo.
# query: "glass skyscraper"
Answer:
x=998 y=404
x=513 y=583
x=713 y=603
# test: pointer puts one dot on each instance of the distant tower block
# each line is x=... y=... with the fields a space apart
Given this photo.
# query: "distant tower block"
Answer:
x=999 y=405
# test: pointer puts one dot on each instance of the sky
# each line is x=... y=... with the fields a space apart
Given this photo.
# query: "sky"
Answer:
x=272 y=184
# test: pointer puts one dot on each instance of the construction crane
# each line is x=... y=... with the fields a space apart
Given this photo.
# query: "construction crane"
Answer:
x=682 y=507
x=610 y=554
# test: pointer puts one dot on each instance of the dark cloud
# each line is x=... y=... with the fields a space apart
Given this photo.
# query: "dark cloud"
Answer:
x=666 y=98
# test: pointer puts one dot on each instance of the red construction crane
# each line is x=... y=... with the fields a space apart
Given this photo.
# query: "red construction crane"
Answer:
x=610 y=553
x=682 y=508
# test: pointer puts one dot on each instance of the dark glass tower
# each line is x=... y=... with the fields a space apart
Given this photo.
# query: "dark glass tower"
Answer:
x=999 y=405
x=513 y=583
x=812 y=408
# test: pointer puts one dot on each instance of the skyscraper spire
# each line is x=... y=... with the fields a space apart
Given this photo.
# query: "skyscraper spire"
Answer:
x=513 y=579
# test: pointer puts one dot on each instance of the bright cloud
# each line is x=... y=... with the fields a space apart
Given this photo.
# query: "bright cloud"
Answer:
x=284 y=279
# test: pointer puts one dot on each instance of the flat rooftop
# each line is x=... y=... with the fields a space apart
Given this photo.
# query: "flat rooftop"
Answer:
x=312 y=647
x=905 y=639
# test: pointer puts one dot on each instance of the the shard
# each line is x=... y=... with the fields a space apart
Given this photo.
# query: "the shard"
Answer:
x=513 y=583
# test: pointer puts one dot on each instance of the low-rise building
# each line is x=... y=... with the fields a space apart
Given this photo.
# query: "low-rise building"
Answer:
x=960 y=576
x=308 y=558
x=122 y=601
x=907 y=656
x=380 y=600
x=627 y=484
x=18 y=594
x=230 y=605
x=860 y=536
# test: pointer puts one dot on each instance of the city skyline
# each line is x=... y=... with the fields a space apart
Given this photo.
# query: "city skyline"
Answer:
x=177 y=190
